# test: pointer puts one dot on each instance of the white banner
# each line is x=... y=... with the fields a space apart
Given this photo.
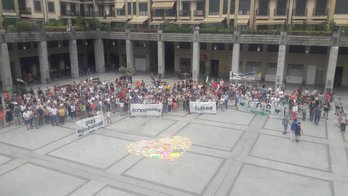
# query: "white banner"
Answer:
x=203 y=107
x=89 y=124
x=146 y=109
x=275 y=111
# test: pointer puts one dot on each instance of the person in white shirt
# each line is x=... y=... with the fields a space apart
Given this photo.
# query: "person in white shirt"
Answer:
x=53 y=114
x=28 y=117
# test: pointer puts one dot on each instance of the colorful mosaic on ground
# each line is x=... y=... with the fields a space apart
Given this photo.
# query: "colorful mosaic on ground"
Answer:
x=165 y=148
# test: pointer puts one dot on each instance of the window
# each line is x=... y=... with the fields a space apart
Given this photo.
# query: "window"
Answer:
x=184 y=45
x=271 y=68
x=272 y=48
x=185 y=9
x=203 y=46
x=185 y=64
x=232 y=6
x=73 y=9
x=225 y=6
x=263 y=8
x=244 y=7
x=320 y=7
x=295 y=70
x=297 y=49
x=37 y=6
x=214 y=7
x=8 y=5
x=142 y=9
x=129 y=8
x=218 y=46
x=341 y=7
x=134 y=9
x=301 y=6
x=343 y=51
x=253 y=66
x=281 y=8
x=50 y=6
x=318 y=50
x=255 y=48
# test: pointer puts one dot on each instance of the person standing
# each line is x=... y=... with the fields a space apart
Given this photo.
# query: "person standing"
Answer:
x=2 y=119
x=317 y=115
x=304 y=109
x=9 y=116
x=311 y=111
x=294 y=111
x=338 y=105
x=17 y=114
x=293 y=130
x=61 y=115
x=285 y=123
x=298 y=131
x=27 y=116
x=53 y=114
x=343 y=121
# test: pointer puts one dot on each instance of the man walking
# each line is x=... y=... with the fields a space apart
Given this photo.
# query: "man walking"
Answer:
x=285 y=123
x=317 y=115
x=343 y=120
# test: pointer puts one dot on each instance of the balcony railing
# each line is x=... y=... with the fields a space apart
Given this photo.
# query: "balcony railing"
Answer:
x=26 y=11
x=281 y=12
x=70 y=13
x=142 y=13
x=198 y=13
x=319 y=12
x=9 y=10
x=299 y=12
x=184 y=13
x=262 y=12
x=244 y=12
x=121 y=13
x=214 y=13
x=170 y=13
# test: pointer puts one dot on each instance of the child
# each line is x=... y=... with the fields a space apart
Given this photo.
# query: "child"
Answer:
x=298 y=131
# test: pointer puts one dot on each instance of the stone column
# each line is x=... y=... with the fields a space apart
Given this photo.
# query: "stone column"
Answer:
x=280 y=65
x=331 y=69
x=195 y=55
x=5 y=68
x=281 y=60
x=43 y=59
x=235 y=57
x=99 y=55
x=161 y=55
x=129 y=54
x=74 y=59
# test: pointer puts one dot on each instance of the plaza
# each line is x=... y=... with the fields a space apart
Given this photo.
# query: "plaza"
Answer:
x=232 y=153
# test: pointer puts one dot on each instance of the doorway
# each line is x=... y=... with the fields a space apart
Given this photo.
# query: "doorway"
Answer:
x=338 y=77
x=214 y=70
x=169 y=57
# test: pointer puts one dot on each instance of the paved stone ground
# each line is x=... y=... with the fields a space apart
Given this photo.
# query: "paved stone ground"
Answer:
x=233 y=153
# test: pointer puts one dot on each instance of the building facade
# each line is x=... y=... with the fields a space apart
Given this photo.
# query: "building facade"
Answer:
x=280 y=57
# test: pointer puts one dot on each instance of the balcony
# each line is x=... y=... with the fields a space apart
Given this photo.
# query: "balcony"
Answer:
x=262 y=12
x=244 y=12
x=26 y=11
x=320 y=14
x=299 y=13
x=142 y=13
x=198 y=13
x=170 y=14
x=184 y=13
x=70 y=13
x=214 y=13
x=281 y=12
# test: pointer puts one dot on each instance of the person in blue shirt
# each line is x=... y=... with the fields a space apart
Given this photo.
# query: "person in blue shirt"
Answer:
x=293 y=129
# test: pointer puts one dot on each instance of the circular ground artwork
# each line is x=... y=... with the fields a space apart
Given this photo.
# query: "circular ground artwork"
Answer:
x=165 y=148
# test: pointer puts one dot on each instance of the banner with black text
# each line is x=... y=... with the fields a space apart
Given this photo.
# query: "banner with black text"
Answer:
x=203 y=107
x=89 y=124
x=146 y=109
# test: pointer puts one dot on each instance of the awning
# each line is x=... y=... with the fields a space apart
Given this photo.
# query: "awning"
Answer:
x=269 y=22
x=138 y=20
x=119 y=5
x=341 y=22
x=242 y=21
x=214 y=20
x=158 y=22
x=163 y=5
x=193 y=22
x=119 y=20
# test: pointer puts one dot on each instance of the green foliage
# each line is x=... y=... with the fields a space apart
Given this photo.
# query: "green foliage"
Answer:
x=11 y=28
x=57 y=23
x=95 y=24
x=9 y=21
x=126 y=71
x=55 y=28
x=171 y=27
x=24 y=25
x=214 y=28
x=80 y=22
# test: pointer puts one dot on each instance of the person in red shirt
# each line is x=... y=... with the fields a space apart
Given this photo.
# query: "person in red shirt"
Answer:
x=2 y=119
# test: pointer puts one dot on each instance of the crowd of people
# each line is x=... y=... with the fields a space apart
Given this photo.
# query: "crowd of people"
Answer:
x=91 y=97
